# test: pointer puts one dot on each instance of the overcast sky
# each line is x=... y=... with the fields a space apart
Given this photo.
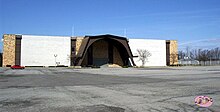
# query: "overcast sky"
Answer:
x=188 y=21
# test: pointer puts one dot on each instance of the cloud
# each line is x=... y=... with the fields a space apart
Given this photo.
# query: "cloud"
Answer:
x=214 y=40
x=200 y=44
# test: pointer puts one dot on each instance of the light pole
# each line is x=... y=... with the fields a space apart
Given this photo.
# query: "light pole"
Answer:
x=55 y=55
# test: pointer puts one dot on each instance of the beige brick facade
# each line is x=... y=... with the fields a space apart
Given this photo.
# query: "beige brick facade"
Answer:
x=173 y=52
x=78 y=43
x=9 y=50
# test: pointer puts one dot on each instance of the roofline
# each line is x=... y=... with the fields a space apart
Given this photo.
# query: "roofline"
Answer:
x=43 y=35
x=108 y=35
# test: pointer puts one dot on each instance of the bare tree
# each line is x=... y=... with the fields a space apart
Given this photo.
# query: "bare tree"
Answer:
x=216 y=53
x=181 y=55
x=194 y=54
x=203 y=55
x=187 y=52
x=143 y=55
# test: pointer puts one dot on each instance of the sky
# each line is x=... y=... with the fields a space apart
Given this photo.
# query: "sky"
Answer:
x=193 y=23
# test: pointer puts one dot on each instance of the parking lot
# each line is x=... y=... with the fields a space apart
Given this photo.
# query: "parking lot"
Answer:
x=156 y=89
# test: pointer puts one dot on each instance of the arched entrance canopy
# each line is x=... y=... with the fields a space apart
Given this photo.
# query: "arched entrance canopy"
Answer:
x=89 y=40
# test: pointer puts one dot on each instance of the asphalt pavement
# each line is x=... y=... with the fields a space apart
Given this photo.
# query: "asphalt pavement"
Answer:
x=152 y=89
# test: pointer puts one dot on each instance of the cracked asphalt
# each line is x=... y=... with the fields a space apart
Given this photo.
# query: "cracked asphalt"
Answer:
x=158 y=89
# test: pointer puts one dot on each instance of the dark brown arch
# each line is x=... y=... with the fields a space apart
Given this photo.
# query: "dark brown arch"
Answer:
x=89 y=40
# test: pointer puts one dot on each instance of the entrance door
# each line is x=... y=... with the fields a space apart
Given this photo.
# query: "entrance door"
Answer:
x=100 y=53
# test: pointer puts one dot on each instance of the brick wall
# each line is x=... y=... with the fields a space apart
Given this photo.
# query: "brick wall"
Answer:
x=173 y=48
x=9 y=50
x=78 y=43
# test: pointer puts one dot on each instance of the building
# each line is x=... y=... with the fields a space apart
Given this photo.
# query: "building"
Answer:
x=31 y=50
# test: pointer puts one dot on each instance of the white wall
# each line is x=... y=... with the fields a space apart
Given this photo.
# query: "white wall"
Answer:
x=40 y=50
x=157 y=48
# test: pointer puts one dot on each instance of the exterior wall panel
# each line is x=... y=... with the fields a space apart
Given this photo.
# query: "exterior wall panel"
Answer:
x=157 y=48
x=172 y=52
x=40 y=50
x=9 y=50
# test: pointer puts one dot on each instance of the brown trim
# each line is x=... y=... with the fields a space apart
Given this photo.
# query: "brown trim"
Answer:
x=89 y=40
x=18 y=36
x=90 y=56
x=168 y=52
x=18 y=49
x=73 y=51
x=110 y=52
x=1 y=59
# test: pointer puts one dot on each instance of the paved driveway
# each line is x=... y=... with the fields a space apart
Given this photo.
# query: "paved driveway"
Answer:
x=108 y=90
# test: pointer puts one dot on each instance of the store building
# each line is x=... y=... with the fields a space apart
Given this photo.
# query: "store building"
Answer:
x=32 y=50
